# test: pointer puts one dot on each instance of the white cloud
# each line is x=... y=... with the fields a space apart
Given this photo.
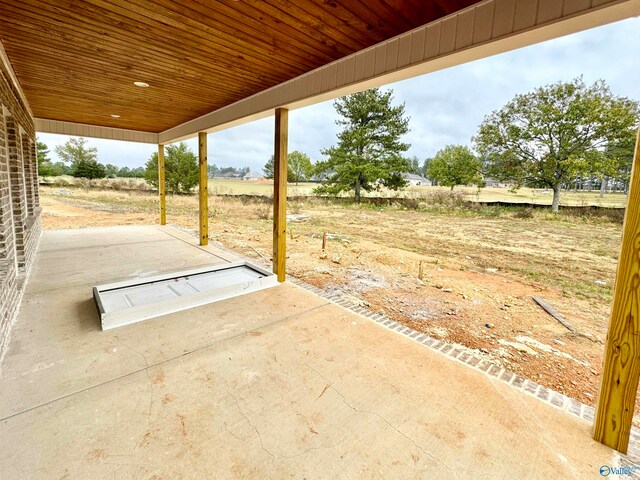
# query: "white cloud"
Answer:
x=445 y=107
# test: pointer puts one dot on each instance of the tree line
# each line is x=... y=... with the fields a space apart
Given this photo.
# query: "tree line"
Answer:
x=81 y=161
x=552 y=137
x=557 y=136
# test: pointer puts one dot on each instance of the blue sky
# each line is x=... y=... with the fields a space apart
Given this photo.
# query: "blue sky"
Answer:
x=445 y=107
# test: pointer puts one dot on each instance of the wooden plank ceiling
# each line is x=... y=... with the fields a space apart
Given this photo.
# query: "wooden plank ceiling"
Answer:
x=77 y=59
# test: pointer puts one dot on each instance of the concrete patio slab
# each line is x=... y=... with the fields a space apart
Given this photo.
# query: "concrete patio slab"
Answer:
x=275 y=384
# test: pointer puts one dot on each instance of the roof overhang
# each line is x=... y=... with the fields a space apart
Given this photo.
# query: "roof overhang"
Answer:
x=479 y=30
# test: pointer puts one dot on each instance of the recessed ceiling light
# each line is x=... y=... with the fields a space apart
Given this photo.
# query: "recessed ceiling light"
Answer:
x=113 y=115
x=141 y=84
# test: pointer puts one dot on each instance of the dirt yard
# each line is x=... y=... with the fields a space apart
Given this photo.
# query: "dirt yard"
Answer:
x=481 y=269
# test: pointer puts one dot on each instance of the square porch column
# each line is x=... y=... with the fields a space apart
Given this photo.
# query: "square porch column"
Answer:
x=621 y=370
x=280 y=169
x=203 y=190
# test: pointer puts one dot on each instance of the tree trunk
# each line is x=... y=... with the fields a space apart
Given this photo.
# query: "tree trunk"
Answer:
x=556 y=198
x=603 y=186
x=357 y=189
x=452 y=187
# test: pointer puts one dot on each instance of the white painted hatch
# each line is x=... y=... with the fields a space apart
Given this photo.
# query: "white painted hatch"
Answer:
x=130 y=301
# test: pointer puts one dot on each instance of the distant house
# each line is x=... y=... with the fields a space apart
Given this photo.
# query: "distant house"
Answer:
x=414 y=179
x=253 y=175
x=493 y=183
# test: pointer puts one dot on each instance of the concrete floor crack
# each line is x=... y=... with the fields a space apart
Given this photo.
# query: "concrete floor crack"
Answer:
x=251 y=424
x=148 y=378
x=344 y=400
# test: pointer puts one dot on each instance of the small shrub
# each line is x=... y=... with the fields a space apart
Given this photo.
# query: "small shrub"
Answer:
x=82 y=183
x=263 y=211
x=411 y=203
x=295 y=207
x=116 y=185
x=524 y=214
x=60 y=182
x=446 y=198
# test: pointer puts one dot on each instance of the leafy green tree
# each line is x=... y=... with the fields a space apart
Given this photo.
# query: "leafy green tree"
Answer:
x=300 y=167
x=111 y=170
x=415 y=165
x=137 y=172
x=546 y=137
x=225 y=170
x=75 y=150
x=212 y=170
x=267 y=170
x=615 y=161
x=88 y=169
x=181 y=169
x=424 y=170
x=126 y=172
x=60 y=168
x=42 y=151
x=455 y=165
x=45 y=168
x=368 y=154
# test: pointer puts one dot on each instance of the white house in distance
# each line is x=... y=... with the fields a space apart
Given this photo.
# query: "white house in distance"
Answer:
x=415 y=180
x=491 y=182
x=253 y=175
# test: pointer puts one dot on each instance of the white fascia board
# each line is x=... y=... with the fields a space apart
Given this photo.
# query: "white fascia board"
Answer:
x=479 y=31
x=44 y=125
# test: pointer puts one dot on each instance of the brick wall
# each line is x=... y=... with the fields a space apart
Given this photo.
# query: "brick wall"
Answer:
x=19 y=202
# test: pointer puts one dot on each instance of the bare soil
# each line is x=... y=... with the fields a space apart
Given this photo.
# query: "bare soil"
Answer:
x=482 y=268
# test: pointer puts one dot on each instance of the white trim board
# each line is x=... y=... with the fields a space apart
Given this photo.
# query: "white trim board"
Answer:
x=131 y=301
x=44 y=125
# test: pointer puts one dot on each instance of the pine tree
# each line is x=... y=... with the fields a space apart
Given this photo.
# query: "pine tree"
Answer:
x=368 y=154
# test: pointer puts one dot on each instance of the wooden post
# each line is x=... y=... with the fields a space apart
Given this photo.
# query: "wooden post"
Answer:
x=622 y=350
x=324 y=241
x=280 y=195
x=203 y=188
x=162 y=187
